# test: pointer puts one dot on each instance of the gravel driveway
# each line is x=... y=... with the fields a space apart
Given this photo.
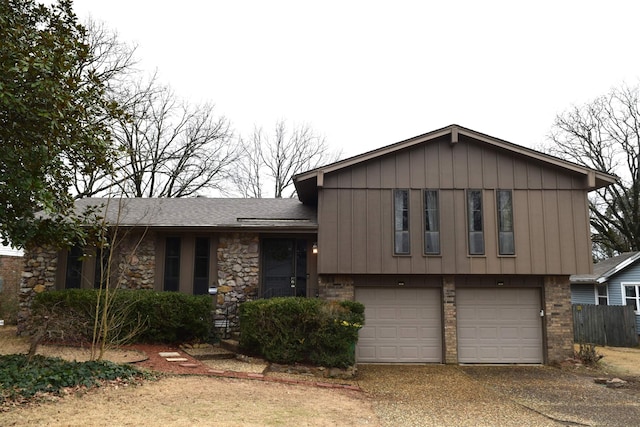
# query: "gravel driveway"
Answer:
x=437 y=395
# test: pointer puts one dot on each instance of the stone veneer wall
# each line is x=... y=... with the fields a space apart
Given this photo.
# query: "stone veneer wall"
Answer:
x=558 y=318
x=38 y=275
x=336 y=288
x=238 y=268
x=136 y=260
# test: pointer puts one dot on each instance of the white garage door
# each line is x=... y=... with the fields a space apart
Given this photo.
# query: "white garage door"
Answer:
x=499 y=326
x=401 y=325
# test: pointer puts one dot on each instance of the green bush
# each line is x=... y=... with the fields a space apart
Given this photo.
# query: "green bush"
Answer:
x=297 y=330
x=22 y=378
x=152 y=317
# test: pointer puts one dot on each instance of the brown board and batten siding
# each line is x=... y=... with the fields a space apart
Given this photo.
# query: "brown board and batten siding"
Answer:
x=549 y=206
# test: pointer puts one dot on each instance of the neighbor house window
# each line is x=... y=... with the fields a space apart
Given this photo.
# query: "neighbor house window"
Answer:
x=632 y=296
x=474 y=219
x=602 y=295
x=401 y=221
x=506 y=245
x=431 y=223
x=172 y=264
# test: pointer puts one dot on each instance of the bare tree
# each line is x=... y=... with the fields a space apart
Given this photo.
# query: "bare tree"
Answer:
x=167 y=147
x=280 y=156
x=605 y=135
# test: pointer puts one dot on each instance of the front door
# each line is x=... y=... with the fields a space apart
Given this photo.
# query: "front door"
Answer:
x=284 y=267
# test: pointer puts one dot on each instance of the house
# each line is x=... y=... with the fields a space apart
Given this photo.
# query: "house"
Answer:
x=11 y=261
x=614 y=281
x=459 y=244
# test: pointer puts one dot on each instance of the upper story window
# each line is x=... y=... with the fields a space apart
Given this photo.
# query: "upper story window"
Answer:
x=431 y=223
x=506 y=244
x=401 y=222
x=474 y=222
x=602 y=295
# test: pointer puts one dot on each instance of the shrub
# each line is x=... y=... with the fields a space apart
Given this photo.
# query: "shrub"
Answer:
x=9 y=307
x=292 y=330
x=22 y=378
x=166 y=317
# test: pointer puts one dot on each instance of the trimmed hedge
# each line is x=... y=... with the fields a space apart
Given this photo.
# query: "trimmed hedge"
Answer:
x=299 y=330
x=166 y=317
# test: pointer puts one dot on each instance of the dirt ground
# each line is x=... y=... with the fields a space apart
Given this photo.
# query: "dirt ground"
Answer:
x=179 y=399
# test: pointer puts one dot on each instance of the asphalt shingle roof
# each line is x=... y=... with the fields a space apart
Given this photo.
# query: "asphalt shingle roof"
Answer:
x=206 y=212
x=600 y=269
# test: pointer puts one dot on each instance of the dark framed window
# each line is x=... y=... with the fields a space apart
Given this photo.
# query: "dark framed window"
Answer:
x=172 y=264
x=201 y=266
x=431 y=223
x=475 y=222
x=102 y=267
x=401 y=222
x=506 y=242
x=602 y=295
x=73 y=273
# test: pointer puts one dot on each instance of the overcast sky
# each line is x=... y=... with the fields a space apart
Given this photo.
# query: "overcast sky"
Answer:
x=367 y=74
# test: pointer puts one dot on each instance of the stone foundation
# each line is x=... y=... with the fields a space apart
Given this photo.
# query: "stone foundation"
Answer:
x=38 y=275
x=135 y=258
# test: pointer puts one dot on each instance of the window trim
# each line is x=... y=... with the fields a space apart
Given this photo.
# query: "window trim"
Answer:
x=624 y=294
x=437 y=220
x=498 y=223
x=468 y=192
x=408 y=225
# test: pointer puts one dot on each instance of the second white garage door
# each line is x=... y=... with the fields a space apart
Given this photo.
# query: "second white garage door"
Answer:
x=499 y=325
x=402 y=325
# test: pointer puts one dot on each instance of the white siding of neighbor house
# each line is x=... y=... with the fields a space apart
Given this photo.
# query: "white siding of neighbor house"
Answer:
x=583 y=294
x=630 y=275
x=8 y=250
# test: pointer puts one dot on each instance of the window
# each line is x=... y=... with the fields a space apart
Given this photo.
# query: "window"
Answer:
x=201 y=267
x=506 y=245
x=101 y=267
x=602 y=295
x=431 y=223
x=73 y=273
x=632 y=296
x=172 y=264
x=474 y=218
x=401 y=223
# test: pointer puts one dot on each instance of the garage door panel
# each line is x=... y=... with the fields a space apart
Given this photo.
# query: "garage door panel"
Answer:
x=401 y=325
x=499 y=325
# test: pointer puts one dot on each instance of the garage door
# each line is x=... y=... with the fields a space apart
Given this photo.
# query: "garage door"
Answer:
x=499 y=326
x=401 y=325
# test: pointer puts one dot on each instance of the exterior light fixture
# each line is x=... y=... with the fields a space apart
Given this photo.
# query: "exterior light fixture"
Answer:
x=314 y=248
x=213 y=290
x=401 y=283
x=500 y=283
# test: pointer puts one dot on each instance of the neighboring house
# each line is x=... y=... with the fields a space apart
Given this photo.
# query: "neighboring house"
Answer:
x=11 y=263
x=459 y=244
x=614 y=281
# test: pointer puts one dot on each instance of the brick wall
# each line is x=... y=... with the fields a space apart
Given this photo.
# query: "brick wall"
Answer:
x=10 y=272
x=450 y=320
x=336 y=288
x=558 y=318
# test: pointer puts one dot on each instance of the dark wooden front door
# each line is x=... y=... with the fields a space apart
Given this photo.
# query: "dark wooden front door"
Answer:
x=284 y=267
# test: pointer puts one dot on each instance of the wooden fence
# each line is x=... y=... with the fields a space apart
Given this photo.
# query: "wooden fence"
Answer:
x=612 y=325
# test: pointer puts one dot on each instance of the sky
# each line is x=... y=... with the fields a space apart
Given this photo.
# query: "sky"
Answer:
x=366 y=74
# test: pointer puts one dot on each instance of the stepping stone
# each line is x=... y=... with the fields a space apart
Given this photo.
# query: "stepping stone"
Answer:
x=189 y=365
x=177 y=359
x=169 y=354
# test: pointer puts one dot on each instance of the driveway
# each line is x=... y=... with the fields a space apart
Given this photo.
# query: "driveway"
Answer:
x=436 y=395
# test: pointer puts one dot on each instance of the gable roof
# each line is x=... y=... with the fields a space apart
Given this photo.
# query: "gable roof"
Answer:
x=204 y=212
x=607 y=268
x=307 y=183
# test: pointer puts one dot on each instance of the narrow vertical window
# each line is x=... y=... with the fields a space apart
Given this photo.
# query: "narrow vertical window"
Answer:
x=172 y=264
x=102 y=267
x=431 y=223
x=201 y=267
x=506 y=245
x=73 y=274
x=401 y=221
x=602 y=295
x=474 y=215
